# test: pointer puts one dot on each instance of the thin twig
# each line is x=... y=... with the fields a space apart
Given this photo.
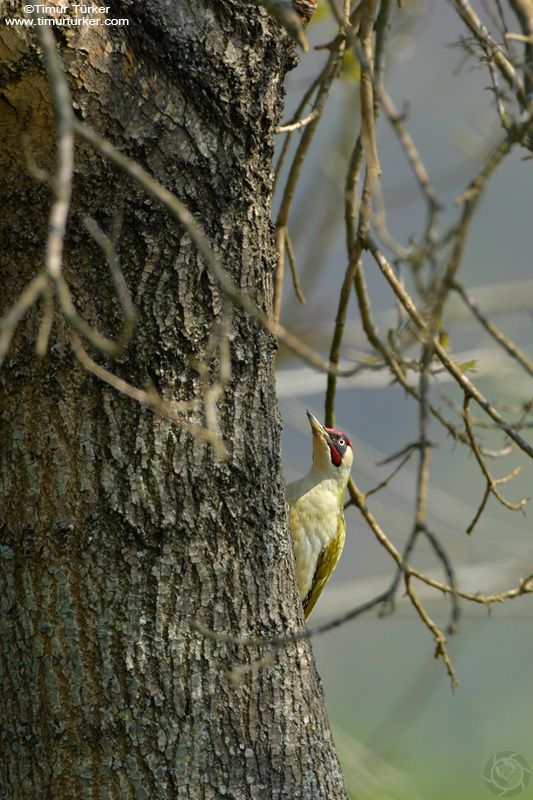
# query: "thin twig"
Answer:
x=294 y=268
x=413 y=156
x=507 y=344
x=450 y=574
x=123 y=293
x=440 y=639
x=519 y=37
x=422 y=482
x=290 y=127
x=25 y=301
x=169 y=410
x=492 y=483
x=388 y=479
x=45 y=328
x=284 y=639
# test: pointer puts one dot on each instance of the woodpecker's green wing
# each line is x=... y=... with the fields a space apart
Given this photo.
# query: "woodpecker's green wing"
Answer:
x=327 y=561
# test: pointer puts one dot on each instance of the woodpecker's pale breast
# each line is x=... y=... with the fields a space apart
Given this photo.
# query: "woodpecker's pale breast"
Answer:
x=314 y=521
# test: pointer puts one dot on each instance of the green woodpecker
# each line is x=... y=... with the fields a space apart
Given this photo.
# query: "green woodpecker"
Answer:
x=316 y=511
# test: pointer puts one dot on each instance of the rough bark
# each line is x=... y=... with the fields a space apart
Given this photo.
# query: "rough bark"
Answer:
x=118 y=529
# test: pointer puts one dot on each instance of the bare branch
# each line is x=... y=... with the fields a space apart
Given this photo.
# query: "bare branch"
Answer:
x=62 y=180
x=182 y=214
x=296 y=117
x=469 y=388
x=474 y=24
x=372 y=171
x=324 y=84
x=61 y=184
x=9 y=322
x=525 y=587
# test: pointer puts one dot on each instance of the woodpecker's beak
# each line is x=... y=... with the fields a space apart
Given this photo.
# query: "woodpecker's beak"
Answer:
x=317 y=428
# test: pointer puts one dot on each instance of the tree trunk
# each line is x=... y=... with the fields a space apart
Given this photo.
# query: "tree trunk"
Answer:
x=118 y=528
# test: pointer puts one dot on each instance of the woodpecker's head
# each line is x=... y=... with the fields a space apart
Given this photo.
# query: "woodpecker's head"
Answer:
x=332 y=451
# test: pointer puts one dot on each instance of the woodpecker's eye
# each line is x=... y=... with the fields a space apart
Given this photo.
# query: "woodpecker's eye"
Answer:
x=342 y=442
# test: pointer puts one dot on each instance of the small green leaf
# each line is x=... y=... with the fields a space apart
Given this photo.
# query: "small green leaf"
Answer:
x=468 y=366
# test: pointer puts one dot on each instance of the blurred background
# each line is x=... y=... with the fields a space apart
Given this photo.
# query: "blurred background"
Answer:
x=400 y=730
